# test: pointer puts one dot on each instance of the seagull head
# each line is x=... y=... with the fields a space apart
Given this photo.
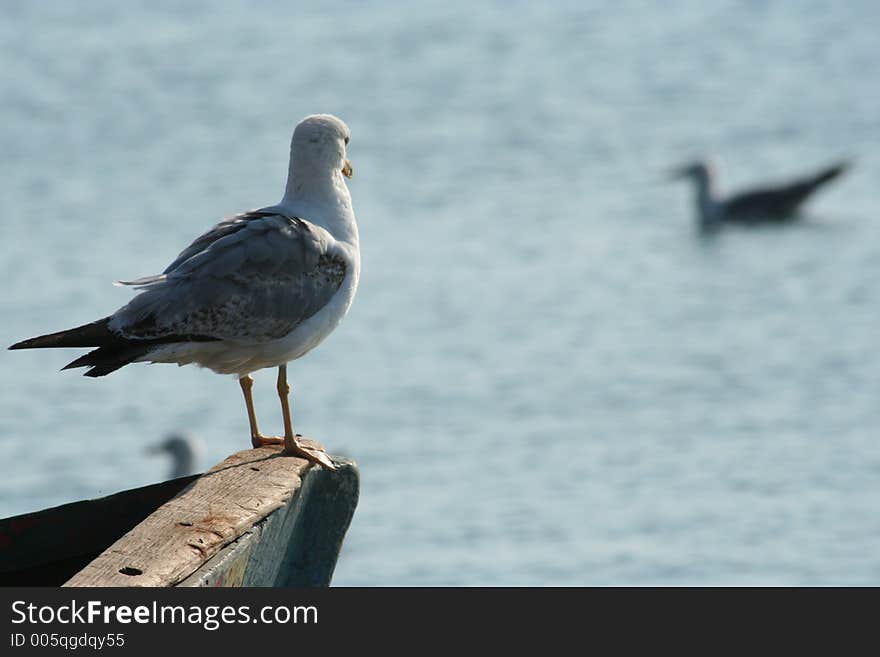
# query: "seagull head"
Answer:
x=178 y=445
x=184 y=450
x=319 y=145
x=699 y=170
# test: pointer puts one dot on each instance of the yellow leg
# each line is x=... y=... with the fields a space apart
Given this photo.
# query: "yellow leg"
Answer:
x=292 y=445
x=257 y=440
x=284 y=396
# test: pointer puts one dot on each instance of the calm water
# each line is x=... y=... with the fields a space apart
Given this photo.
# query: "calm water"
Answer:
x=546 y=378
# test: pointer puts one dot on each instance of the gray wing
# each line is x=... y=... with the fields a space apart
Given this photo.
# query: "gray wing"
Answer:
x=782 y=200
x=253 y=278
x=202 y=242
x=762 y=203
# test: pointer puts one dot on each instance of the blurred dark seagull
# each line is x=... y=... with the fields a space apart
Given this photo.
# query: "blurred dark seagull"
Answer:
x=184 y=451
x=771 y=203
x=257 y=290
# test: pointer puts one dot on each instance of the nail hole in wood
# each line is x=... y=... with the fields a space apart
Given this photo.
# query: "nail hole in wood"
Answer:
x=128 y=570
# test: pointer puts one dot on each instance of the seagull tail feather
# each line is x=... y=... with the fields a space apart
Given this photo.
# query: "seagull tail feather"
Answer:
x=109 y=358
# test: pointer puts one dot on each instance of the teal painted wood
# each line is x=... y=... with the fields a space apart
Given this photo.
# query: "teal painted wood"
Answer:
x=296 y=545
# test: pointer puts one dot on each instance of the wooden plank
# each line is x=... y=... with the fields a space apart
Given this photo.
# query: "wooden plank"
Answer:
x=296 y=545
x=320 y=528
x=45 y=548
x=184 y=533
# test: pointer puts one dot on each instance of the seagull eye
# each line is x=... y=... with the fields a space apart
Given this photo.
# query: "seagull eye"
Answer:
x=346 y=141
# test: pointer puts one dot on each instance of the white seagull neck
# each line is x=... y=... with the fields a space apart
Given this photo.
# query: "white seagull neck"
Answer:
x=323 y=199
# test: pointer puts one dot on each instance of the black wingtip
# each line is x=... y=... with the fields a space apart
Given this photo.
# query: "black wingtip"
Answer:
x=24 y=344
x=842 y=166
x=95 y=334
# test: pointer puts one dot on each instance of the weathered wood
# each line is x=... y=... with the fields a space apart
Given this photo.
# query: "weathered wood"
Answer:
x=298 y=544
x=46 y=548
x=215 y=510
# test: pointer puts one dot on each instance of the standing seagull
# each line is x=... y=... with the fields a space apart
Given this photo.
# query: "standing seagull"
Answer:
x=767 y=204
x=257 y=290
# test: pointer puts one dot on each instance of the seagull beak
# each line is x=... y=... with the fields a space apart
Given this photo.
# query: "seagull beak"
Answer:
x=347 y=171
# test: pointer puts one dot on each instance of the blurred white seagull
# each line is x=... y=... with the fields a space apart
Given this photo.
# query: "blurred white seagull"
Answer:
x=257 y=290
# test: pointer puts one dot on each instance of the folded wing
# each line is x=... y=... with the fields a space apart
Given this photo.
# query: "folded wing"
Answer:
x=251 y=279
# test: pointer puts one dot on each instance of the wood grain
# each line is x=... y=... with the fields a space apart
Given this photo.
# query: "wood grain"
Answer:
x=182 y=534
x=296 y=545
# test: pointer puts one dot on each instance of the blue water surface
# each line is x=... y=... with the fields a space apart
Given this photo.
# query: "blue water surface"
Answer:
x=547 y=377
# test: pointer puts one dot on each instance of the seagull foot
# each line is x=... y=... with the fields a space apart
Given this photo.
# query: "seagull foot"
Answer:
x=311 y=452
x=262 y=441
